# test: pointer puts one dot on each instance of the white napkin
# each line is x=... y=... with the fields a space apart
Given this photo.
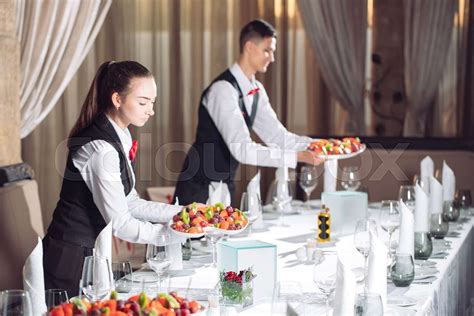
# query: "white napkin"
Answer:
x=330 y=175
x=103 y=248
x=218 y=192
x=33 y=279
x=449 y=183
x=281 y=186
x=376 y=281
x=436 y=196
x=422 y=213
x=174 y=249
x=426 y=170
x=344 y=298
x=406 y=242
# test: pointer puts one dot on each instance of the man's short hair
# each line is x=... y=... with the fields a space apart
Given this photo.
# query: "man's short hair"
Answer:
x=256 y=29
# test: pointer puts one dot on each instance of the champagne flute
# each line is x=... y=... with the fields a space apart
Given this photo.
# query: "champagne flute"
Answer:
x=324 y=276
x=308 y=181
x=389 y=220
x=362 y=238
x=350 y=178
x=97 y=281
x=407 y=195
x=55 y=297
x=15 y=302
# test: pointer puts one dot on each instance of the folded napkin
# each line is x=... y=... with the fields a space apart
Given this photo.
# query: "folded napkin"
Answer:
x=376 y=281
x=406 y=242
x=282 y=188
x=103 y=248
x=344 y=298
x=426 y=170
x=218 y=192
x=33 y=279
x=422 y=213
x=174 y=249
x=436 y=196
x=330 y=175
x=449 y=183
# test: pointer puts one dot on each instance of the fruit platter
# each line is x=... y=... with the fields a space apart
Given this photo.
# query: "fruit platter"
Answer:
x=195 y=221
x=337 y=148
x=162 y=305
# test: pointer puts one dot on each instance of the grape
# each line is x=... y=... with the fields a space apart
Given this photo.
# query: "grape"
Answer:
x=120 y=304
x=229 y=209
x=176 y=218
x=135 y=307
x=184 y=305
x=186 y=226
x=232 y=227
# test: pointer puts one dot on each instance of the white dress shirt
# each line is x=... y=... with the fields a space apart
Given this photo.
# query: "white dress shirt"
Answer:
x=222 y=103
x=99 y=164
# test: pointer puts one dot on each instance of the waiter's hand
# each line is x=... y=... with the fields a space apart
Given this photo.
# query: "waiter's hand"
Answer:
x=310 y=157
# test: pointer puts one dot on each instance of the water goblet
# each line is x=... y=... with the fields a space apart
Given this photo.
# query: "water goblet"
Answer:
x=362 y=238
x=281 y=199
x=368 y=304
x=464 y=200
x=55 y=297
x=97 y=281
x=407 y=195
x=251 y=205
x=350 y=178
x=308 y=180
x=15 y=302
x=123 y=276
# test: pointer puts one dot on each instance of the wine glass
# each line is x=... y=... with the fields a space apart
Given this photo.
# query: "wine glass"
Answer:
x=123 y=276
x=324 y=276
x=158 y=257
x=389 y=220
x=407 y=195
x=214 y=235
x=308 y=180
x=15 y=302
x=350 y=178
x=55 y=297
x=285 y=292
x=281 y=199
x=362 y=238
x=97 y=281
x=250 y=203
x=368 y=304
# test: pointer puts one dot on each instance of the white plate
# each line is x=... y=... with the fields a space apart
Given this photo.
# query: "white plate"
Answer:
x=183 y=234
x=399 y=311
x=425 y=263
x=344 y=156
x=401 y=301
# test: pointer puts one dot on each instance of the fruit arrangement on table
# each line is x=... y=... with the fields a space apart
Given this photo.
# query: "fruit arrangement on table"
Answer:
x=163 y=305
x=194 y=219
x=332 y=146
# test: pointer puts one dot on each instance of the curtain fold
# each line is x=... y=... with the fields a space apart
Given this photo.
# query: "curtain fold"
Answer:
x=337 y=31
x=428 y=30
x=55 y=37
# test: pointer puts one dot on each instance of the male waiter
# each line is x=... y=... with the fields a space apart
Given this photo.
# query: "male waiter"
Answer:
x=231 y=107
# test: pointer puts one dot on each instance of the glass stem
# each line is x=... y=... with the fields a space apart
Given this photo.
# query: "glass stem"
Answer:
x=307 y=199
x=214 y=253
x=390 y=245
x=327 y=305
x=365 y=269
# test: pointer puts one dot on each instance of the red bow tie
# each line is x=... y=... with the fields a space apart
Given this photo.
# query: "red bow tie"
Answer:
x=133 y=151
x=253 y=91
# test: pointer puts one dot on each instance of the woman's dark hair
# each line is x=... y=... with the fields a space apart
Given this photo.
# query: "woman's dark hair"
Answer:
x=111 y=77
x=256 y=29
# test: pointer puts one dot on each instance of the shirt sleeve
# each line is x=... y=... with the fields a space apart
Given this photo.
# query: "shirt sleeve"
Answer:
x=271 y=131
x=222 y=104
x=99 y=165
x=150 y=211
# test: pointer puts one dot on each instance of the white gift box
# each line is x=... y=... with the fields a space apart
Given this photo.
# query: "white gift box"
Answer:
x=346 y=208
x=258 y=255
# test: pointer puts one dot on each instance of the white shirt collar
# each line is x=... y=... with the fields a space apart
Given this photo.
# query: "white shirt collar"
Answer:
x=123 y=134
x=244 y=83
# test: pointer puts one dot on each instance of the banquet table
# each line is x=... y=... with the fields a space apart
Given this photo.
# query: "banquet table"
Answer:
x=450 y=294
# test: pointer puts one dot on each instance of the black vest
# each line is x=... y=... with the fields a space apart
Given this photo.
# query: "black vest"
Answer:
x=209 y=159
x=77 y=219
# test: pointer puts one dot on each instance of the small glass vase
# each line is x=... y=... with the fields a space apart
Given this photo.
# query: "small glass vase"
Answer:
x=234 y=293
x=423 y=245
x=450 y=211
x=438 y=226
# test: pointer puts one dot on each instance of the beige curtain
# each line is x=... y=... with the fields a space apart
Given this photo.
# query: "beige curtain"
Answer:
x=186 y=44
x=337 y=30
x=55 y=37
x=450 y=94
x=428 y=29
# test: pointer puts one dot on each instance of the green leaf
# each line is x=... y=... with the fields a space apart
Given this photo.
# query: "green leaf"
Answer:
x=185 y=216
